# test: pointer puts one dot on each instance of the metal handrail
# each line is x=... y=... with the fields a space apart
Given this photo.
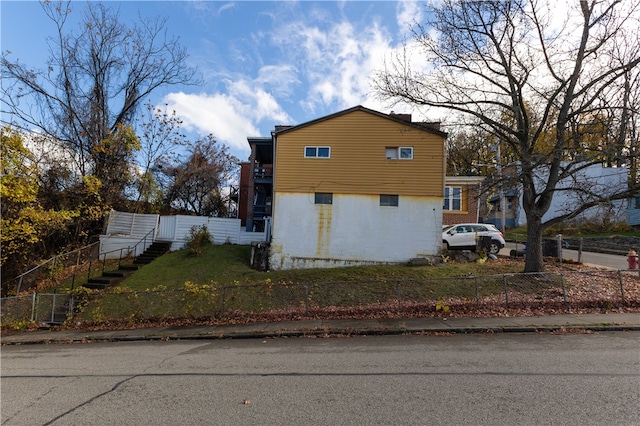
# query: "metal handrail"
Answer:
x=73 y=275
x=120 y=257
x=20 y=277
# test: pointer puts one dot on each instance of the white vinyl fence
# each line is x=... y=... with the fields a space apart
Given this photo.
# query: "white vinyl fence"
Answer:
x=127 y=229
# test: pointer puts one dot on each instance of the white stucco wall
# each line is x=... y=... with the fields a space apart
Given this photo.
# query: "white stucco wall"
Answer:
x=354 y=230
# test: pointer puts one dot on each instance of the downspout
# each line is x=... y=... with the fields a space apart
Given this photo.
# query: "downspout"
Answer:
x=478 y=202
x=270 y=223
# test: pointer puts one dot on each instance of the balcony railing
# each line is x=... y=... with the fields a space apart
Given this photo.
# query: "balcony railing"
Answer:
x=260 y=210
x=263 y=172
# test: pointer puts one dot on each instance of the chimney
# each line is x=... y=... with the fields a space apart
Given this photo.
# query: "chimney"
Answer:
x=403 y=117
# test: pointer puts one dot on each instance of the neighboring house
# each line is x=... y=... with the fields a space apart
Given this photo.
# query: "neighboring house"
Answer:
x=490 y=211
x=256 y=190
x=572 y=192
x=633 y=213
x=353 y=188
x=461 y=198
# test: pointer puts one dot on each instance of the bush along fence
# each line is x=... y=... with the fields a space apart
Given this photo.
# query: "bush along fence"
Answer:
x=489 y=295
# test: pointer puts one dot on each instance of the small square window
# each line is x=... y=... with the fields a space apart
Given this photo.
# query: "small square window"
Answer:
x=310 y=151
x=324 y=198
x=392 y=153
x=388 y=200
x=402 y=153
x=406 y=153
x=323 y=151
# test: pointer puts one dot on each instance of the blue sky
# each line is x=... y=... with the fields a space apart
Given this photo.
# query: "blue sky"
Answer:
x=263 y=63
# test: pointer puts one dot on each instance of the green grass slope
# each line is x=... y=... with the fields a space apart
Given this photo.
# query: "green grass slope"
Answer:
x=229 y=264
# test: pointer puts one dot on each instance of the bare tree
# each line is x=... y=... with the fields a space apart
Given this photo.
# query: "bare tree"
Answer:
x=197 y=184
x=95 y=79
x=530 y=77
x=161 y=137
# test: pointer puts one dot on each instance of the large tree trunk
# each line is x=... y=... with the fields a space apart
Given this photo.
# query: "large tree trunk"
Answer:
x=534 y=261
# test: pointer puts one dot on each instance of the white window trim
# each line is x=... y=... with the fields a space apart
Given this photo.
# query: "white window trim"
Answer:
x=397 y=150
x=316 y=148
x=450 y=198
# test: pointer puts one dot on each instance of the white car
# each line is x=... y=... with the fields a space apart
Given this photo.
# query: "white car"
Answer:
x=464 y=236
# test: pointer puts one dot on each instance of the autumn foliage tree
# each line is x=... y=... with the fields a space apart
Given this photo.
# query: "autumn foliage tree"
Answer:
x=96 y=78
x=81 y=107
x=27 y=227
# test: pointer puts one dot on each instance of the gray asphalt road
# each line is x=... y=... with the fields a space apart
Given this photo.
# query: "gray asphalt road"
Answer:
x=501 y=379
x=598 y=259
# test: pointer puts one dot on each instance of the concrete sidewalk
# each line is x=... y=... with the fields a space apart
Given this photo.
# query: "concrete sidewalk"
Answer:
x=592 y=322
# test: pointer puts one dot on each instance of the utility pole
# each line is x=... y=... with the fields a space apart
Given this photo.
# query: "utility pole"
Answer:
x=501 y=190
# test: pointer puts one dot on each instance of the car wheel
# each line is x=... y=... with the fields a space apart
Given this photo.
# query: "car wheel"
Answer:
x=494 y=247
x=446 y=245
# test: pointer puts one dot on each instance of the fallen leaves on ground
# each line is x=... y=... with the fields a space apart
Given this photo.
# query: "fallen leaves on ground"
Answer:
x=586 y=291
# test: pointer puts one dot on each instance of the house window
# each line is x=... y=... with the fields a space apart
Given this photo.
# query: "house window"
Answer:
x=399 y=152
x=637 y=202
x=317 y=151
x=452 y=198
x=324 y=198
x=388 y=200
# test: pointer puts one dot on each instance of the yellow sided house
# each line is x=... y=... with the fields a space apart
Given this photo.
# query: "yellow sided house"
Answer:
x=357 y=187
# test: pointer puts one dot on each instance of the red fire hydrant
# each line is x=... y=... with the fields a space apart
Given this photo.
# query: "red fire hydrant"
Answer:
x=632 y=259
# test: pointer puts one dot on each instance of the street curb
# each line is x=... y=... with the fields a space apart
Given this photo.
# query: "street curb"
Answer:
x=87 y=338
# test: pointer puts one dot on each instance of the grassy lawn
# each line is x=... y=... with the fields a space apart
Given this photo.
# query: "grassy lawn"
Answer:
x=229 y=265
x=178 y=285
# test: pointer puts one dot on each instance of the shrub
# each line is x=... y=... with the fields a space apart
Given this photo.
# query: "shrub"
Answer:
x=199 y=237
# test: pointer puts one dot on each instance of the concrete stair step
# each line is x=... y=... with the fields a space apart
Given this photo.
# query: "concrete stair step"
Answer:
x=103 y=280
x=110 y=278
x=120 y=273
x=95 y=286
x=130 y=268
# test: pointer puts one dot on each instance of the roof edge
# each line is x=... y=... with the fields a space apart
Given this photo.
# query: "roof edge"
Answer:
x=416 y=125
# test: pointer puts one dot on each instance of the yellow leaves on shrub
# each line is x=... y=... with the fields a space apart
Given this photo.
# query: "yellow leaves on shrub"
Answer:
x=18 y=170
x=29 y=227
x=441 y=306
x=199 y=290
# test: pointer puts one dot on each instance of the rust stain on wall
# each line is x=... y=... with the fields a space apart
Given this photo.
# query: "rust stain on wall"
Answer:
x=324 y=230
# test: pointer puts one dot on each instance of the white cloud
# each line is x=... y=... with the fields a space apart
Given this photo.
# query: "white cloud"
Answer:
x=332 y=59
x=336 y=61
x=282 y=79
x=218 y=114
x=226 y=6
x=408 y=14
x=232 y=116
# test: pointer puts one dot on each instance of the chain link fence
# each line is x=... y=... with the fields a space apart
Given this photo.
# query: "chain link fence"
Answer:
x=36 y=307
x=492 y=294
